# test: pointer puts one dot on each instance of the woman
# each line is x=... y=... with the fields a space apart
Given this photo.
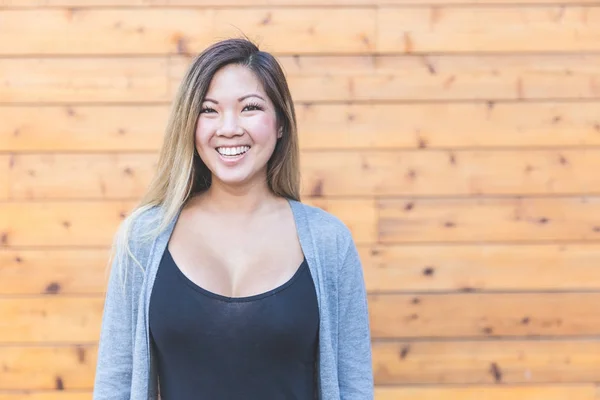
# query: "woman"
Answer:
x=223 y=284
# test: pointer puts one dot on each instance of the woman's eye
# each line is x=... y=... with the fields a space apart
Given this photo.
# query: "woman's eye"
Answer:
x=253 y=107
x=207 y=110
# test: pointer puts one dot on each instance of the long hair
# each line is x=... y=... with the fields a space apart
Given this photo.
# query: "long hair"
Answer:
x=180 y=172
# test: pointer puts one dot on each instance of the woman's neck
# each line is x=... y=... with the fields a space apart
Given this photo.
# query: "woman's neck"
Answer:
x=243 y=200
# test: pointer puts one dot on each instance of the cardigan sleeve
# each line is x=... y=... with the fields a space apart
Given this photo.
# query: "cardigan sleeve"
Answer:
x=115 y=348
x=355 y=369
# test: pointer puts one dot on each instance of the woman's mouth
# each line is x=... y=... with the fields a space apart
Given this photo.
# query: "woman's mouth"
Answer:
x=231 y=155
x=232 y=151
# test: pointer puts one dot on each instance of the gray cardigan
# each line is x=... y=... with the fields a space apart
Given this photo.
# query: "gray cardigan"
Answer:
x=126 y=367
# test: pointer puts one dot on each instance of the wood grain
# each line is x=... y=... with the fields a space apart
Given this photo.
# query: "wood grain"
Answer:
x=488 y=392
x=452 y=363
x=60 y=80
x=523 y=362
x=53 y=271
x=49 y=224
x=153 y=31
x=52 y=395
x=262 y=3
x=480 y=315
x=489 y=220
x=436 y=77
x=4 y=176
x=330 y=173
x=534 y=392
x=139 y=127
x=472 y=315
x=313 y=79
x=94 y=223
x=63 y=368
x=393 y=268
x=477 y=267
x=468 y=29
x=44 y=319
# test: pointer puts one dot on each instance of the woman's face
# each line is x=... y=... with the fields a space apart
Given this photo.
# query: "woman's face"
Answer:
x=236 y=131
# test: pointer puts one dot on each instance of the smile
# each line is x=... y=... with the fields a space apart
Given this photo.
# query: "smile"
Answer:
x=232 y=151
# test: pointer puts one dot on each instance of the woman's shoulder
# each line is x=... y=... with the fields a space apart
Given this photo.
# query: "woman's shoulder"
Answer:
x=322 y=222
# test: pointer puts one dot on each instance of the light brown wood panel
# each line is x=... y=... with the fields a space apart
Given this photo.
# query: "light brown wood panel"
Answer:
x=174 y=30
x=52 y=395
x=94 y=223
x=440 y=77
x=311 y=79
x=485 y=362
x=488 y=220
x=262 y=3
x=474 y=315
x=4 y=172
x=430 y=268
x=83 y=128
x=395 y=268
x=332 y=173
x=50 y=224
x=56 y=319
x=488 y=392
x=468 y=29
x=59 y=80
x=70 y=367
x=84 y=176
x=483 y=315
x=435 y=173
x=71 y=271
x=321 y=126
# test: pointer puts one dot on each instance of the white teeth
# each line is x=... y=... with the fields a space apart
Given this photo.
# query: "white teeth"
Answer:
x=233 y=151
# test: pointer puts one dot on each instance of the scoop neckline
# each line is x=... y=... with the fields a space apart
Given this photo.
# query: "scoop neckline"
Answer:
x=241 y=299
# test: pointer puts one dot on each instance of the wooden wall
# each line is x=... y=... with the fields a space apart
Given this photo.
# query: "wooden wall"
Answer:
x=457 y=138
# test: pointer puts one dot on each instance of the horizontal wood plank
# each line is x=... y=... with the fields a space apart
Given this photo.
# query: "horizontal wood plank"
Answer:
x=430 y=268
x=331 y=173
x=173 y=30
x=471 y=315
x=468 y=29
x=61 y=368
x=489 y=220
x=487 y=392
x=436 y=77
x=46 y=395
x=4 y=172
x=55 y=319
x=313 y=79
x=439 y=173
x=394 y=268
x=262 y=3
x=486 y=362
x=537 y=392
x=57 y=271
x=320 y=126
x=483 y=315
x=60 y=223
x=36 y=80
x=516 y=362
x=94 y=223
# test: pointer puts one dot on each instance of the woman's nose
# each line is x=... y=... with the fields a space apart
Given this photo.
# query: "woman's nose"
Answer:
x=229 y=126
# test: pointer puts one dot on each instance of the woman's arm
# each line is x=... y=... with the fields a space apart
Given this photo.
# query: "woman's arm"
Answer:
x=355 y=368
x=114 y=365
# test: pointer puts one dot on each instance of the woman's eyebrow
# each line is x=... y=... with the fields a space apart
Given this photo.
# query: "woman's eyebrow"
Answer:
x=240 y=99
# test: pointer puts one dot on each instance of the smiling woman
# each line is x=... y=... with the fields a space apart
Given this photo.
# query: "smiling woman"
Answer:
x=223 y=284
x=239 y=121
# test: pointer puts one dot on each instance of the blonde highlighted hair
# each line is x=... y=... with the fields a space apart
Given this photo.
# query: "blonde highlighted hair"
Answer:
x=180 y=172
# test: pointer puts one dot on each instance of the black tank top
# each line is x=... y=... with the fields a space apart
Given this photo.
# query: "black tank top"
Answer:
x=210 y=346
